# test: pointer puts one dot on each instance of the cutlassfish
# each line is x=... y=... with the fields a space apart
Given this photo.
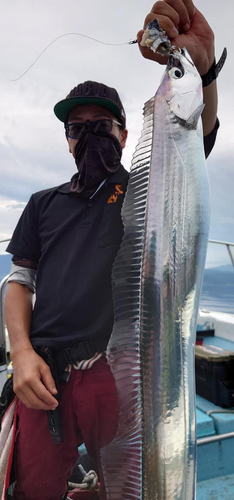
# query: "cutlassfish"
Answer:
x=157 y=278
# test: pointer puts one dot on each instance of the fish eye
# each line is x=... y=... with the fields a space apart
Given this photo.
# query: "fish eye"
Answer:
x=176 y=73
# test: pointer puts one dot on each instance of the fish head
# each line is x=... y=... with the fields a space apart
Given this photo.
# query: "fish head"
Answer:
x=183 y=88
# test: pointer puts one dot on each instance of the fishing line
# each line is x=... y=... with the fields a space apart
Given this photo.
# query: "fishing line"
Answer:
x=61 y=36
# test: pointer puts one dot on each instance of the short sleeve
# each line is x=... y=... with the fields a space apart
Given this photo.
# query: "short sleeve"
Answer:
x=25 y=241
x=209 y=140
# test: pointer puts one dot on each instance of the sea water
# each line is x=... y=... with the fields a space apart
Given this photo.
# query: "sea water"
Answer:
x=220 y=298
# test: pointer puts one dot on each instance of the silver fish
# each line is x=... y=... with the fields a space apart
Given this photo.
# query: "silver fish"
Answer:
x=157 y=278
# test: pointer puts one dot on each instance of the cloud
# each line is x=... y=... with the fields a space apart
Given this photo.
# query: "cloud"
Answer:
x=10 y=211
x=33 y=150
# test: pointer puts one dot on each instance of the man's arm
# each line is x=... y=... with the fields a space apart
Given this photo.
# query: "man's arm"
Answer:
x=209 y=115
x=187 y=27
x=33 y=382
x=18 y=311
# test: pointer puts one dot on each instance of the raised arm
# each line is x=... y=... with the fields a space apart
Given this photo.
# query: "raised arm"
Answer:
x=187 y=27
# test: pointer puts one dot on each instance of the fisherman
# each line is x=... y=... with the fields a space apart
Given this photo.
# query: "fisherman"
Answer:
x=63 y=247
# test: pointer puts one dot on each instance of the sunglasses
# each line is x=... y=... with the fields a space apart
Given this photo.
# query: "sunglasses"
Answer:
x=75 y=130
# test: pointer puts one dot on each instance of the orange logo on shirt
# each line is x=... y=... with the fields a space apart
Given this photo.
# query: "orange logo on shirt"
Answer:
x=113 y=198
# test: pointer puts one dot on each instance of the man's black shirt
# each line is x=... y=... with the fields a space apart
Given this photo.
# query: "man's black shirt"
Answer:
x=74 y=241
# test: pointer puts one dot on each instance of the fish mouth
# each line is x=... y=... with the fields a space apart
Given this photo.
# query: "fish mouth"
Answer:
x=176 y=53
x=174 y=61
x=175 y=66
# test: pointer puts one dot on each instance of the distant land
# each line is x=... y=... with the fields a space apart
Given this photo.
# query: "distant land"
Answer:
x=5 y=265
x=221 y=274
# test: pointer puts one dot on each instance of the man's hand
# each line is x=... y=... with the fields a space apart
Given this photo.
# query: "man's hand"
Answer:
x=33 y=382
x=186 y=27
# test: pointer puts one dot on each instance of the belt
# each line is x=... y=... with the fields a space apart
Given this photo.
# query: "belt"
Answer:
x=84 y=350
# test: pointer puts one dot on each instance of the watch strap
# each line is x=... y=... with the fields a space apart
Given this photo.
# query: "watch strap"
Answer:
x=213 y=72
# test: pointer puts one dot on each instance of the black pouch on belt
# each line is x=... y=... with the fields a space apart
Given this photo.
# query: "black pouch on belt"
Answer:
x=6 y=397
x=54 y=416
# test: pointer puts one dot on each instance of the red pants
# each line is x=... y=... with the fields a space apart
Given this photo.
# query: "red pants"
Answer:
x=89 y=414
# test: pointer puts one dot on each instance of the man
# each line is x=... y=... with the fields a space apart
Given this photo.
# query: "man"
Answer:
x=69 y=236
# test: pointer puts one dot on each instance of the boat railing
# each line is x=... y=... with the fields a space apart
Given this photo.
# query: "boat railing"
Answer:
x=3 y=285
x=228 y=246
x=3 y=353
x=5 y=241
x=216 y=242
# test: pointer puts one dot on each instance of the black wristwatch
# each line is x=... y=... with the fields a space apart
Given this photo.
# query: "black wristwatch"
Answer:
x=213 y=72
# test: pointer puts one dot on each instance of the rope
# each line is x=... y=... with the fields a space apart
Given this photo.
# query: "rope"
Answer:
x=90 y=481
x=61 y=36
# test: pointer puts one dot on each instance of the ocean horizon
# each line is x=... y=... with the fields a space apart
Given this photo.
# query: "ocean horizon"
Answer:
x=220 y=301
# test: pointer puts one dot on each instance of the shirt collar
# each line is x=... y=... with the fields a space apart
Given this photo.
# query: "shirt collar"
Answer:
x=119 y=176
x=64 y=188
x=116 y=178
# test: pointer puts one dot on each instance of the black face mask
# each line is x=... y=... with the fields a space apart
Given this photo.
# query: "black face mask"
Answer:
x=97 y=157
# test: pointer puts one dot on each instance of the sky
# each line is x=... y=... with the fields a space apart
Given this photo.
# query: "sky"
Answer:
x=33 y=150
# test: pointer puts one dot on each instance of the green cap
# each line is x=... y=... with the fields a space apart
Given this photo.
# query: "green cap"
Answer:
x=91 y=93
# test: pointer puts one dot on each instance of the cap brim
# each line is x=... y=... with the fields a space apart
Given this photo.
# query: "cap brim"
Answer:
x=63 y=108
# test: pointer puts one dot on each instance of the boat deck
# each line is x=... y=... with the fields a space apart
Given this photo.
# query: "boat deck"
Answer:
x=215 y=471
x=220 y=488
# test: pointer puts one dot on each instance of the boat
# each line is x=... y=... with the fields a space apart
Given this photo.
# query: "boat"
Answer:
x=215 y=422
